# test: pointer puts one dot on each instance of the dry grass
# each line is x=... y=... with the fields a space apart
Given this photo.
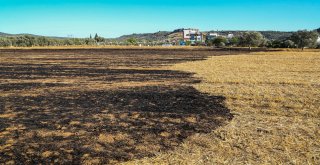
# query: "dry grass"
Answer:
x=108 y=47
x=275 y=98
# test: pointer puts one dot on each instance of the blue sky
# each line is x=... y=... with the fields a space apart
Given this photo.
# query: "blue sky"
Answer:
x=113 y=18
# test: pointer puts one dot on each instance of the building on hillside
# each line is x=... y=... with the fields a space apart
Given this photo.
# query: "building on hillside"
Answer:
x=192 y=35
x=196 y=37
x=230 y=35
x=318 y=41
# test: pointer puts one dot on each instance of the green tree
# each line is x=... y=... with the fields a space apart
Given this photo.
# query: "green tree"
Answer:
x=234 y=41
x=289 y=44
x=43 y=41
x=275 y=44
x=98 y=38
x=68 y=42
x=264 y=43
x=219 y=41
x=209 y=42
x=21 y=41
x=305 y=38
x=5 y=42
x=251 y=39
x=90 y=41
x=13 y=41
x=132 y=41
x=29 y=40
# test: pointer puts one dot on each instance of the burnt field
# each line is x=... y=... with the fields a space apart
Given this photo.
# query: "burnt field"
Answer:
x=100 y=106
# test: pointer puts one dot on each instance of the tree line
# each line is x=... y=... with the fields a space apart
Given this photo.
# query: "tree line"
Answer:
x=30 y=41
x=300 y=39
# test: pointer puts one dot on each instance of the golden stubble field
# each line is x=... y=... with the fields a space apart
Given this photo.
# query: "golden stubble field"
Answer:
x=107 y=106
x=275 y=99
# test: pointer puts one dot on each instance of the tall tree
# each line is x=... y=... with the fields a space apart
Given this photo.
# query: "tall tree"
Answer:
x=96 y=37
x=251 y=39
x=304 y=38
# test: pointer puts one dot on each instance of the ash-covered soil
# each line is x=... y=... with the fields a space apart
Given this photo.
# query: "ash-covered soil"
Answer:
x=100 y=106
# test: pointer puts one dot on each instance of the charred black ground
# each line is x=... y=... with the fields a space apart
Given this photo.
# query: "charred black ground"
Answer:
x=100 y=106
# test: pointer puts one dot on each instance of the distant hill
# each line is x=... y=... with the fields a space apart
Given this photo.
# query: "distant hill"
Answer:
x=4 y=34
x=22 y=34
x=177 y=34
x=12 y=35
x=161 y=35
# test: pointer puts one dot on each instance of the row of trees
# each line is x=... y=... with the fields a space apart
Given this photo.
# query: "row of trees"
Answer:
x=29 y=41
x=247 y=39
x=299 y=39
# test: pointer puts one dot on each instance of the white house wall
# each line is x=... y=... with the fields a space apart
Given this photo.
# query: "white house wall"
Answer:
x=187 y=32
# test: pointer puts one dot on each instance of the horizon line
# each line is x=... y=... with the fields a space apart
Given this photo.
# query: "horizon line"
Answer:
x=92 y=34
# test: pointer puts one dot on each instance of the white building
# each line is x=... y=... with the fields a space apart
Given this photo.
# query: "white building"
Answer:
x=230 y=35
x=211 y=36
x=192 y=35
x=318 y=41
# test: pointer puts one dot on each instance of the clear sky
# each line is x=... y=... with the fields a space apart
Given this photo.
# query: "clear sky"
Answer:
x=112 y=18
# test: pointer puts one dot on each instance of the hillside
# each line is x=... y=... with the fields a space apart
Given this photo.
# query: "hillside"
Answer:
x=23 y=34
x=174 y=35
x=161 y=35
x=4 y=34
x=177 y=34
